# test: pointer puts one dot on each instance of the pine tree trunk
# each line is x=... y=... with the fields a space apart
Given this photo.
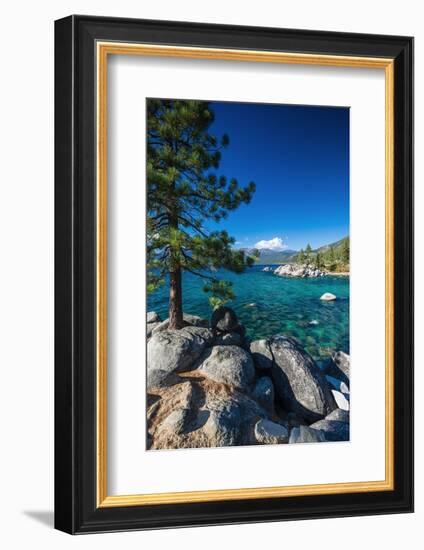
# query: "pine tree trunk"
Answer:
x=175 y=300
x=175 y=284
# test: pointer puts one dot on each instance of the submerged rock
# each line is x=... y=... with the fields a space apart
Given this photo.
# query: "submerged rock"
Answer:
x=328 y=297
x=230 y=365
x=299 y=384
x=177 y=350
x=268 y=432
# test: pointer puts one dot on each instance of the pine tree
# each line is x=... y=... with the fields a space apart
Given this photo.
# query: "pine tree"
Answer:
x=345 y=251
x=308 y=253
x=301 y=258
x=331 y=259
x=183 y=193
x=318 y=261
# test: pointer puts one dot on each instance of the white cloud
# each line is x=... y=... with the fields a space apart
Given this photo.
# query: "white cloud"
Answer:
x=273 y=244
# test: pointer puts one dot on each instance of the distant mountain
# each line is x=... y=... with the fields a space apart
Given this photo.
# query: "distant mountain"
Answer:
x=336 y=245
x=270 y=257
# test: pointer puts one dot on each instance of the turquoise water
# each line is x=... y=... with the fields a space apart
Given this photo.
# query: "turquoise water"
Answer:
x=267 y=304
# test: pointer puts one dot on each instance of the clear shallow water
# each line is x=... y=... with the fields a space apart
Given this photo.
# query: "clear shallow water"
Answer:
x=267 y=304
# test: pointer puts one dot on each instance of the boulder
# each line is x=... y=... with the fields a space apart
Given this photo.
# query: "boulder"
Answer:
x=240 y=330
x=158 y=378
x=261 y=353
x=224 y=319
x=304 y=434
x=229 y=365
x=189 y=321
x=195 y=321
x=342 y=360
x=229 y=339
x=338 y=414
x=166 y=429
x=344 y=388
x=339 y=370
x=223 y=426
x=176 y=421
x=328 y=297
x=163 y=325
x=218 y=415
x=152 y=317
x=332 y=430
x=341 y=400
x=299 y=385
x=270 y=433
x=264 y=394
x=337 y=384
x=294 y=421
x=177 y=350
x=298 y=270
x=150 y=327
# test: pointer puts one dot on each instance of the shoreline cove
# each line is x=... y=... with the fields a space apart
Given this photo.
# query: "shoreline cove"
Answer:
x=267 y=304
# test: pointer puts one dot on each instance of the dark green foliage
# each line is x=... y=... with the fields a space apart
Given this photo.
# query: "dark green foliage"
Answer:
x=183 y=193
x=301 y=256
x=345 y=251
x=308 y=253
x=333 y=257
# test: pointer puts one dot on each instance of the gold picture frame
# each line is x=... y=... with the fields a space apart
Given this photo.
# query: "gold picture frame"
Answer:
x=106 y=49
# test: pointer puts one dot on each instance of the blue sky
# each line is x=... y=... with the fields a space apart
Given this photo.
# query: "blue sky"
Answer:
x=298 y=156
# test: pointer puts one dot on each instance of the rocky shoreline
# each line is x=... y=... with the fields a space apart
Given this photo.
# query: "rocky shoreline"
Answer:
x=208 y=386
x=302 y=271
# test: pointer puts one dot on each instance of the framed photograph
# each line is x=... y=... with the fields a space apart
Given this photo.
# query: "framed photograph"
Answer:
x=234 y=274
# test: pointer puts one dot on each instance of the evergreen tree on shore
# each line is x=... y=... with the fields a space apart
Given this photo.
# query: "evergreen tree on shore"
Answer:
x=308 y=253
x=301 y=257
x=345 y=251
x=183 y=194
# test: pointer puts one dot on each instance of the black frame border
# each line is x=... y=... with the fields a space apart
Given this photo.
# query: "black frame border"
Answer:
x=75 y=274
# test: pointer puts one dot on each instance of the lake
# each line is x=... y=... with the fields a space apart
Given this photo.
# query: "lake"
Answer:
x=267 y=305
